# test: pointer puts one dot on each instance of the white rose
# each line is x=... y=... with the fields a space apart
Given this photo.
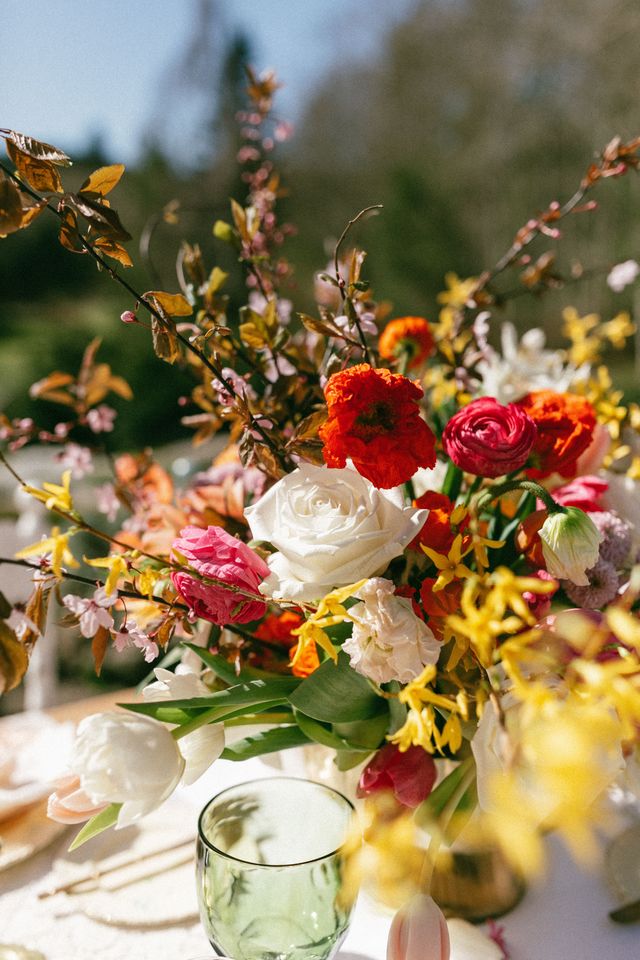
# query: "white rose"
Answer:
x=132 y=759
x=388 y=641
x=330 y=528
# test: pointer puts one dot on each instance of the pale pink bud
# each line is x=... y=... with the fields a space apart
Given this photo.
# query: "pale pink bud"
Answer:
x=69 y=803
x=128 y=317
x=419 y=932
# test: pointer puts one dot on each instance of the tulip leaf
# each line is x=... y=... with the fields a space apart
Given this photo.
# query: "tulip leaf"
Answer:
x=320 y=732
x=225 y=670
x=337 y=694
x=102 y=821
x=280 y=738
x=347 y=759
x=364 y=734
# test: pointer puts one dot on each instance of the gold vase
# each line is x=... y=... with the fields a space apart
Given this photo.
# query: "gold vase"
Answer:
x=475 y=884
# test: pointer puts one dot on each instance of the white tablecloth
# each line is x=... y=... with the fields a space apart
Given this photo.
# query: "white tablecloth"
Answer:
x=562 y=918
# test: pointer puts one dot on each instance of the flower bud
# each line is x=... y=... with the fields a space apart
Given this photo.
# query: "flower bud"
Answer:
x=570 y=545
x=128 y=317
x=418 y=932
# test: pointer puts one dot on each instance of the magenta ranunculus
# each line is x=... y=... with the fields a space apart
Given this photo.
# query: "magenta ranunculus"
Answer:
x=214 y=553
x=488 y=439
x=411 y=774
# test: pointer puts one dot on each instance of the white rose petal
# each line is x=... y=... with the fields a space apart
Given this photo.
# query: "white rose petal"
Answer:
x=388 y=641
x=330 y=528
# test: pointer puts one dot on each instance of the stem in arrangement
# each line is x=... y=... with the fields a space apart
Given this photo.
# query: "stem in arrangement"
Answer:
x=498 y=489
x=340 y=279
x=106 y=266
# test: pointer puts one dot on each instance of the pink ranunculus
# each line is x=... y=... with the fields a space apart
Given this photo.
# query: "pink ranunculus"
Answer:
x=70 y=803
x=540 y=603
x=488 y=439
x=410 y=774
x=583 y=492
x=215 y=554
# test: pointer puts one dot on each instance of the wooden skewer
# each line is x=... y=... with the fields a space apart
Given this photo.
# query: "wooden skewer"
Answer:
x=97 y=873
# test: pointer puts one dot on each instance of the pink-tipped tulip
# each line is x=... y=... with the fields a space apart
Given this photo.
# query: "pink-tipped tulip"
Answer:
x=419 y=932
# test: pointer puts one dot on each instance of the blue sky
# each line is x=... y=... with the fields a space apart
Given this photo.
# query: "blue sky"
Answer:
x=72 y=69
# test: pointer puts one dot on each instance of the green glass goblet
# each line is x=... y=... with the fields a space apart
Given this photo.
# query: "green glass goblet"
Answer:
x=270 y=870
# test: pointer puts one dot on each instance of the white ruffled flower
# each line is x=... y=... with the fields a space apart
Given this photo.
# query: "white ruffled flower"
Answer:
x=622 y=275
x=133 y=760
x=330 y=528
x=570 y=545
x=524 y=367
x=388 y=641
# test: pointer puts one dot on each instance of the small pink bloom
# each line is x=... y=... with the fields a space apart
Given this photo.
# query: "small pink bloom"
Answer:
x=215 y=554
x=77 y=459
x=488 y=439
x=107 y=501
x=410 y=774
x=69 y=803
x=92 y=613
x=419 y=932
x=100 y=419
x=130 y=634
x=583 y=492
x=128 y=317
x=540 y=603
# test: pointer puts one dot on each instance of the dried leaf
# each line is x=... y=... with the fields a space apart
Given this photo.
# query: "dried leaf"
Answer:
x=99 y=646
x=36 y=148
x=103 y=180
x=30 y=212
x=14 y=659
x=165 y=341
x=308 y=428
x=37 y=610
x=69 y=235
x=324 y=327
x=173 y=304
x=240 y=219
x=165 y=631
x=104 y=220
x=114 y=250
x=10 y=207
x=51 y=388
x=39 y=174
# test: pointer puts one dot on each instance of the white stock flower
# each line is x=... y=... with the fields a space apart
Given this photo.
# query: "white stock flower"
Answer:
x=570 y=545
x=388 y=641
x=622 y=275
x=330 y=528
x=523 y=367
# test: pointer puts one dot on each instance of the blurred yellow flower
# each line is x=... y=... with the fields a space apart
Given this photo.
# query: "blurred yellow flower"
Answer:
x=57 y=546
x=55 y=496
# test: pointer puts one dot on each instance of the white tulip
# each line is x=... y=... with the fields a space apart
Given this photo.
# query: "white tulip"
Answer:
x=129 y=759
x=570 y=545
x=330 y=528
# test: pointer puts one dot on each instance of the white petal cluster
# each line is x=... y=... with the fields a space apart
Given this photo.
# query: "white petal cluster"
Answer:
x=570 y=545
x=524 y=366
x=388 y=641
x=330 y=528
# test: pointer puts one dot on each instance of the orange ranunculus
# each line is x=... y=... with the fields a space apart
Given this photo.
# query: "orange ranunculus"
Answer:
x=410 y=335
x=438 y=532
x=439 y=605
x=374 y=420
x=277 y=628
x=307 y=663
x=565 y=425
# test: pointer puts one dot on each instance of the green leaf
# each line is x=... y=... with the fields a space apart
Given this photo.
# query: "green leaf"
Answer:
x=365 y=734
x=452 y=481
x=225 y=670
x=320 y=733
x=337 y=694
x=102 y=821
x=224 y=703
x=347 y=759
x=280 y=738
x=452 y=801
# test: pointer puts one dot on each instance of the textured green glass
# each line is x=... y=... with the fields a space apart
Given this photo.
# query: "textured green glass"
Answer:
x=269 y=870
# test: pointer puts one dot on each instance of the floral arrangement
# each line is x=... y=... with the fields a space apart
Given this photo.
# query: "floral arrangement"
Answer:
x=413 y=545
